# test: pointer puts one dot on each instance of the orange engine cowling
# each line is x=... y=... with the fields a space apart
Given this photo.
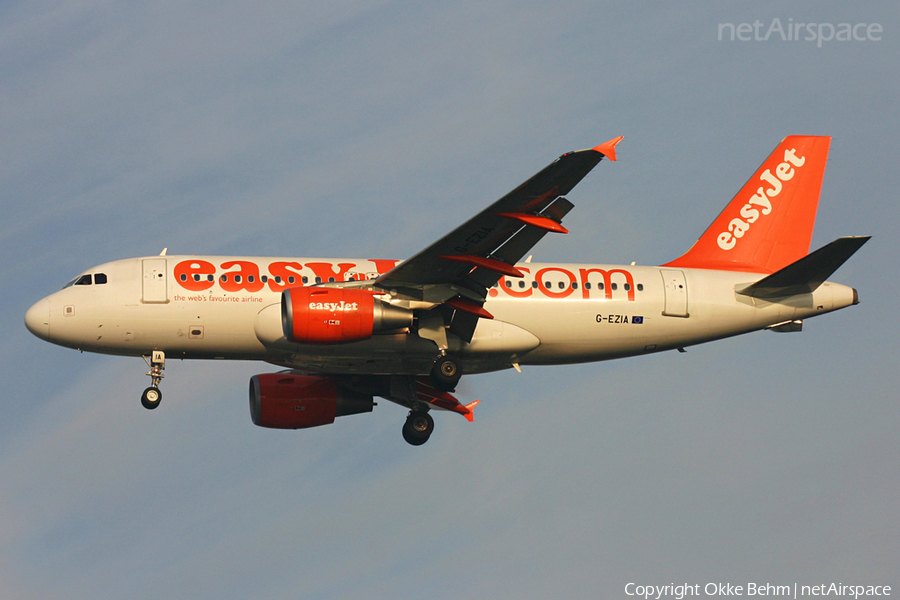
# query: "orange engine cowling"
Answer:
x=293 y=401
x=313 y=315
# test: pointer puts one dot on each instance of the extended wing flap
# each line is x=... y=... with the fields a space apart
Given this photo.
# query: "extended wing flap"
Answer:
x=807 y=274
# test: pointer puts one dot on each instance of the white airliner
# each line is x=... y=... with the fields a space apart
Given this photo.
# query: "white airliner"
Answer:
x=348 y=330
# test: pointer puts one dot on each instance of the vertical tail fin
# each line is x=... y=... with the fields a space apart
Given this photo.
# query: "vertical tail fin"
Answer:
x=769 y=223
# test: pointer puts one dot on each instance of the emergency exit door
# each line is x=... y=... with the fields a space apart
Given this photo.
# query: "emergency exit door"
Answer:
x=154 y=288
x=676 y=293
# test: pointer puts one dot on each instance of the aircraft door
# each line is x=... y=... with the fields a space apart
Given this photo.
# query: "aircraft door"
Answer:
x=676 y=293
x=154 y=286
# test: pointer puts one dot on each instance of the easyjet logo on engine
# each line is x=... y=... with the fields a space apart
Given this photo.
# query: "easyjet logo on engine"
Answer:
x=334 y=306
x=761 y=202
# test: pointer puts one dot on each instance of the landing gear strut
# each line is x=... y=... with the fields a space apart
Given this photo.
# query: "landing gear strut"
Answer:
x=151 y=397
x=445 y=373
x=418 y=427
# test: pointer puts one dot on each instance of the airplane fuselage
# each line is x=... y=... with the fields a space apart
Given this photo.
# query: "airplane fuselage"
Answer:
x=216 y=307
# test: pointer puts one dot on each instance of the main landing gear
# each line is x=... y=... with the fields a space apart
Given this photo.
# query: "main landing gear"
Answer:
x=446 y=373
x=151 y=397
x=421 y=393
x=418 y=427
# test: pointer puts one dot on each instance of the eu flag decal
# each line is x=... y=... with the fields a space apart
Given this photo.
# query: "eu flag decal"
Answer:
x=637 y=320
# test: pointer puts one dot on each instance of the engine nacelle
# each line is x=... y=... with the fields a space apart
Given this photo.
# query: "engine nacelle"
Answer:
x=289 y=401
x=314 y=315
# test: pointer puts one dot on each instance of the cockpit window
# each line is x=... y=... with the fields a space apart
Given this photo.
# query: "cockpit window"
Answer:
x=86 y=280
x=100 y=278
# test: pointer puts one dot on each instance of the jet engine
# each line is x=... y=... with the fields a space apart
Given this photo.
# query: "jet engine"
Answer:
x=293 y=401
x=311 y=315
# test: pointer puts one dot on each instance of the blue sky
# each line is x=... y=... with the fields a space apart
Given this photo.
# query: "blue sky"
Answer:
x=363 y=129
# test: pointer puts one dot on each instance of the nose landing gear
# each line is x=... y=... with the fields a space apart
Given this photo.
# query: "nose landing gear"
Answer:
x=151 y=397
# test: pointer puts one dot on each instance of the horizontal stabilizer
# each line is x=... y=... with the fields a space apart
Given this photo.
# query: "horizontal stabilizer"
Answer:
x=808 y=273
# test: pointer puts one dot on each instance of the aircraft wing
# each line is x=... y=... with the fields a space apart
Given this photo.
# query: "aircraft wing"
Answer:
x=471 y=258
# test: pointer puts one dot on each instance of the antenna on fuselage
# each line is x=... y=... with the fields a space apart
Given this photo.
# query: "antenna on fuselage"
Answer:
x=163 y=253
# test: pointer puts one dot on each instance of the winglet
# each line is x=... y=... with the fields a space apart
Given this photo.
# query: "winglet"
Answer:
x=608 y=149
x=443 y=400
x=470 y=408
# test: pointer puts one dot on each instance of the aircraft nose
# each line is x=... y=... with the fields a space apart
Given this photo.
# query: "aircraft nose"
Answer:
x=37 y=319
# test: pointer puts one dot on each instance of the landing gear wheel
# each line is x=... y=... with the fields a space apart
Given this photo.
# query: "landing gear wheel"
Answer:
x=445 y=373
x=157 y=362
x=151 y=398
x=418 y=428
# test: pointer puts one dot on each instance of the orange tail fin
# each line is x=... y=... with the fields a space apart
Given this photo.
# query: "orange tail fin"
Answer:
x=769 y=223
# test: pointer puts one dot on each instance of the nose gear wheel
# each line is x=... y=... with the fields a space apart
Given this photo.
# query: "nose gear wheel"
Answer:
x=152 y=396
